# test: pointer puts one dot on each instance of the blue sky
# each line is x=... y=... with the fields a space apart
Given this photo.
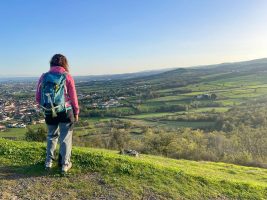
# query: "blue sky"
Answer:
x=118 y=36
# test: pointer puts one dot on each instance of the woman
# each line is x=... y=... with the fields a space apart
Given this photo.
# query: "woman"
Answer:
x=59 y=121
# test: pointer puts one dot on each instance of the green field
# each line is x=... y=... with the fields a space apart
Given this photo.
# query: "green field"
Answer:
x=231 y=90
x=18 y=133
x=14 y=132
x=149 y=115
x=175 y=92
x=190 y=124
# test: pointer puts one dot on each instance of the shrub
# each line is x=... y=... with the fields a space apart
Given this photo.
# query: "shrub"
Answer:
x=38 y=135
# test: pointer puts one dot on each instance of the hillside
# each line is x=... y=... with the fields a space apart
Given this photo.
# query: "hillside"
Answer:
x=225 y=105
x=103 y=174
x=171 y=114
x=176 y=90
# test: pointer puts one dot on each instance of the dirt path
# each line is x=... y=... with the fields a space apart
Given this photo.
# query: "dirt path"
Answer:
x=83 y=186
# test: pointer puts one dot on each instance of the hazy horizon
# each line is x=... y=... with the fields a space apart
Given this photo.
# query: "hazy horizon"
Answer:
x=142 y=71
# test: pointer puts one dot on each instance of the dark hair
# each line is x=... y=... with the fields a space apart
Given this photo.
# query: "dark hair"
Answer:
x=59 y=60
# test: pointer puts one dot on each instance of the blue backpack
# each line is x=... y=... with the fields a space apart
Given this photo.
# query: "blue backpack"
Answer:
x=52 y=93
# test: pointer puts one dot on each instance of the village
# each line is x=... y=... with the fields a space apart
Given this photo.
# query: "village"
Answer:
x=19 y=113
x=18 y=108
x=17 y=105
x=98 y=101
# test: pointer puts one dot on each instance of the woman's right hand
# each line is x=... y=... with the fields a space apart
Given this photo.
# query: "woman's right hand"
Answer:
x=76 y=118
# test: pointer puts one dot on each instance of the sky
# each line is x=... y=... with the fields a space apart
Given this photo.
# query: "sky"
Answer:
x=121 y=36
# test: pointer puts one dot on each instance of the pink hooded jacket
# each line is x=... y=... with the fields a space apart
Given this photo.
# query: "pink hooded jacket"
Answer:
x=71 y=97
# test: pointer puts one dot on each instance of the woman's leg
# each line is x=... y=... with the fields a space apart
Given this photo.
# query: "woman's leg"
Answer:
x=52 y=138
x=66 y=130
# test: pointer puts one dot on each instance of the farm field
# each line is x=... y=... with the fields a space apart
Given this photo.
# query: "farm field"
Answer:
x=180 y=98
x=229 y=94
x=18 y=133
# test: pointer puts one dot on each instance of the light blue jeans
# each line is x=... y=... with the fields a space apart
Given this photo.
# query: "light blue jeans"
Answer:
x=63 y=131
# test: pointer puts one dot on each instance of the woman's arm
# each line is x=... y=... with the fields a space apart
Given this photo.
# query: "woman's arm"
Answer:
x=73 y=95
x=38 y=90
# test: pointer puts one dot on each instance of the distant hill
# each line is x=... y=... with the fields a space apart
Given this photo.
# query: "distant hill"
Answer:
x=17 y=79
x=257 y=64
x=182 y=76
x=90 y=77
x=119 y=76
x=193 y=72
x=244 y=66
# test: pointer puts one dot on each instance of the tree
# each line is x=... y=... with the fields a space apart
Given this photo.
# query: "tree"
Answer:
x=119 y=138
x=213 y=96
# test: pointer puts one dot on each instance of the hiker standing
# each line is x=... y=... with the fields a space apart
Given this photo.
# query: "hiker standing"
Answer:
x=56 y=95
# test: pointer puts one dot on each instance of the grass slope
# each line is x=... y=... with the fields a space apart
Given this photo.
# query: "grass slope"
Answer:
x=164 y=178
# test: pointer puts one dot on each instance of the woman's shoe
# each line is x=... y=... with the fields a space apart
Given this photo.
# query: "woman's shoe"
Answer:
x=48 y=165
x=66 y=168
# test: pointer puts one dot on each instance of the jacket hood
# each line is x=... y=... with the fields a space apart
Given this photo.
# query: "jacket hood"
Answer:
x=57 y=69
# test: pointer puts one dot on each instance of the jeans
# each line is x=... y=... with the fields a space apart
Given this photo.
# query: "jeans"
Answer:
x=60 y=128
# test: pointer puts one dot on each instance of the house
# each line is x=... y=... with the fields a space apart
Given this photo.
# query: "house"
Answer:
x=203 y=96
x=12 y=125
x=94 y=105
x=21 y=125
x=2 y=128
x=41 y=121
x=5 y=118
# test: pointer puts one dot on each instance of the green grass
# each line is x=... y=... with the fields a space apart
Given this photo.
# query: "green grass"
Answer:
x=149 y=115
x=210 y=109
x=159 y=123
x=80 y=131
x=18 y=133
x=14 y=132
x=230 y=102
x=189 y=124
x=167 y=178
x=172 y=98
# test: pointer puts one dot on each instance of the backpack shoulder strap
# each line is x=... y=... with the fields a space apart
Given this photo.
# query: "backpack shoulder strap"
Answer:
x=65 y=86
x=44 y=75
x=65 y=74
x=43 y=79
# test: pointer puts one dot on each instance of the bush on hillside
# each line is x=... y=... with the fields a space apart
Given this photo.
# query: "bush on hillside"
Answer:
x=38 y=135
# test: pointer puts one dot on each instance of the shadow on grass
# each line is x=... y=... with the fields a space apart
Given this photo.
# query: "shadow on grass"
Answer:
x=34 y=170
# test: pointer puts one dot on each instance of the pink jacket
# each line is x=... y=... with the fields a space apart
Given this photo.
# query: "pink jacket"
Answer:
x=71 y=90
